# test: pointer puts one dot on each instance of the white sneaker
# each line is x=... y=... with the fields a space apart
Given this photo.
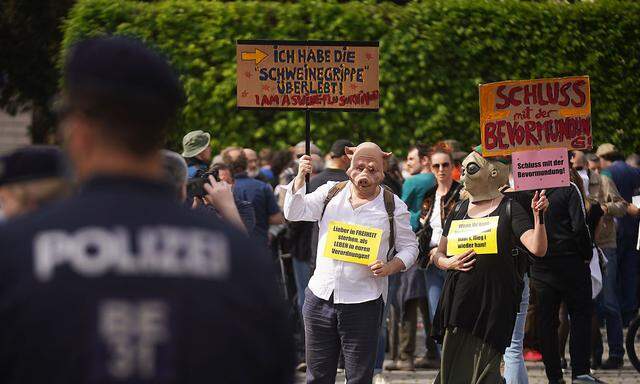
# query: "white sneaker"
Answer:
x=379 y=379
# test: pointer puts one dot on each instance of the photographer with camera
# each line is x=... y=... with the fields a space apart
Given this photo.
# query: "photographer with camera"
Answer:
x=207 y=191
x=196 y=151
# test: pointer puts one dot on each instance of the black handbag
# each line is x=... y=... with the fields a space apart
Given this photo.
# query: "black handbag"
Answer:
x=424 y=242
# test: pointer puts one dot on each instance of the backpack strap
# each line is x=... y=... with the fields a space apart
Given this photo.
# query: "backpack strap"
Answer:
x=515 y=251
x=331 y=194
x=458 y=207
x=519 y=253
x=453 y=195
x=390 y=207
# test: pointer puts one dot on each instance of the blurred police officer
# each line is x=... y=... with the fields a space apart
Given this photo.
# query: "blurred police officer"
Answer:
x=121 y=283
x=30 y=178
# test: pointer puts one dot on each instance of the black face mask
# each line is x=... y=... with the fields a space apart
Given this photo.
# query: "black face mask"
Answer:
x=578 y=168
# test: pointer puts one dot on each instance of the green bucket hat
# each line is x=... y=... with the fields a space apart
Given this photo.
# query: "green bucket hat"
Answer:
x=194 y=142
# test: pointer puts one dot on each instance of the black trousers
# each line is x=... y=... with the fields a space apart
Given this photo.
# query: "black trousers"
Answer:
x=333 y=328
x=567 y=280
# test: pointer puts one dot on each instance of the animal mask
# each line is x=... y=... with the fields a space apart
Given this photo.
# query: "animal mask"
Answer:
x=482 y=178
x=367 y=168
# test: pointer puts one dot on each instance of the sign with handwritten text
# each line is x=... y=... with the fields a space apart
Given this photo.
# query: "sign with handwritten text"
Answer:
x=353 y=243
x=532 y=114
x=547 y=168
x=307 y=74
x=481 y=235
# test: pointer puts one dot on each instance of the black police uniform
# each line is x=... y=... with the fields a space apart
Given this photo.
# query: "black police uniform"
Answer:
x=121 y=284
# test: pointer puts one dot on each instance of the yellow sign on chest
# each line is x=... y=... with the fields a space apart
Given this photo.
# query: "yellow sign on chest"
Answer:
x=481 y=235
x=352 y=243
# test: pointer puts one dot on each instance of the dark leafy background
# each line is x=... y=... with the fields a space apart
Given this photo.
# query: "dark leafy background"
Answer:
x=433 y=55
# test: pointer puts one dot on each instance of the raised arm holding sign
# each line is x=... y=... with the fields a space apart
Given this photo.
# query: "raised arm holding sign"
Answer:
x=364 y=236
x=477 y=307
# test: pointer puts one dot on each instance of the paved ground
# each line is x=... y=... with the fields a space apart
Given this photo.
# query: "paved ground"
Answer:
x=626 y=375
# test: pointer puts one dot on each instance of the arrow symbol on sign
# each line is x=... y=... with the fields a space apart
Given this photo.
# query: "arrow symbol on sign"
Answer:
x=258 y=56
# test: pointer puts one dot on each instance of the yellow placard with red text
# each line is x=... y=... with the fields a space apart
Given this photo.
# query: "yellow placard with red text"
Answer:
x=352 y=243
x=481 y=235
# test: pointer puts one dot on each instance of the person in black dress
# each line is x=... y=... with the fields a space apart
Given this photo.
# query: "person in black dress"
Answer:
x=482 y=291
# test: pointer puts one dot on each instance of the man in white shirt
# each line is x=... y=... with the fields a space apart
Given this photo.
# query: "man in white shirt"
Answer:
x=344 y=301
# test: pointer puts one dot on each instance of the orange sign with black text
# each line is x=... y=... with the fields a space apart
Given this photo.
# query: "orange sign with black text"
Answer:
x=523 y=115
x=307 y=74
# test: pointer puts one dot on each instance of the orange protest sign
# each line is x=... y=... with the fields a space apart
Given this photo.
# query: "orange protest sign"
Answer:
x=307 y=74
x=523 y=115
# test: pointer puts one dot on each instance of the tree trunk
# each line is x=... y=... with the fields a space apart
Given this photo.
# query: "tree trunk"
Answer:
x=42 y=126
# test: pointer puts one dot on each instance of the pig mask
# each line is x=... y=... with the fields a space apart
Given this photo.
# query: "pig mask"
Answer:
x=367 y=168
x=482 y=178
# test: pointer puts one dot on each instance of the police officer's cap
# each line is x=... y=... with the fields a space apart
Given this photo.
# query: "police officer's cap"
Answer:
x=121 y=66
x=31 y=163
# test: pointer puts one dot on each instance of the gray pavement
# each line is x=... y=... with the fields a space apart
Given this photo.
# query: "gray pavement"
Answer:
x=626 y=375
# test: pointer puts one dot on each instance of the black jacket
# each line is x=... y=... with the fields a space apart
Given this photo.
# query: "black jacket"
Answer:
x=122 y=284
x=567 y=231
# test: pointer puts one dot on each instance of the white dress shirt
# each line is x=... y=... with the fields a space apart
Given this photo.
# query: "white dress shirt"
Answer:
x=584 y=175
x=435 y=221
x=350 y=283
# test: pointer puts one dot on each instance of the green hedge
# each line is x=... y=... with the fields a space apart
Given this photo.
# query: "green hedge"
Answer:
x=433 y=54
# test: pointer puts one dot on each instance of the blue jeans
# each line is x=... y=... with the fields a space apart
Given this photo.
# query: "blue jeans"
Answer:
x=302 y=274
x=515 y=372
x=609 y=306
x=434 y=278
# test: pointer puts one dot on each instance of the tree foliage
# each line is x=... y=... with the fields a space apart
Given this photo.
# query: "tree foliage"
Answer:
x=30 y=38
x=433 y=55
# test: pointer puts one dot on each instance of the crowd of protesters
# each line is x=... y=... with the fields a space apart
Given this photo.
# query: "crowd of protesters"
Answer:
x=566 y=260
x=591 y=219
